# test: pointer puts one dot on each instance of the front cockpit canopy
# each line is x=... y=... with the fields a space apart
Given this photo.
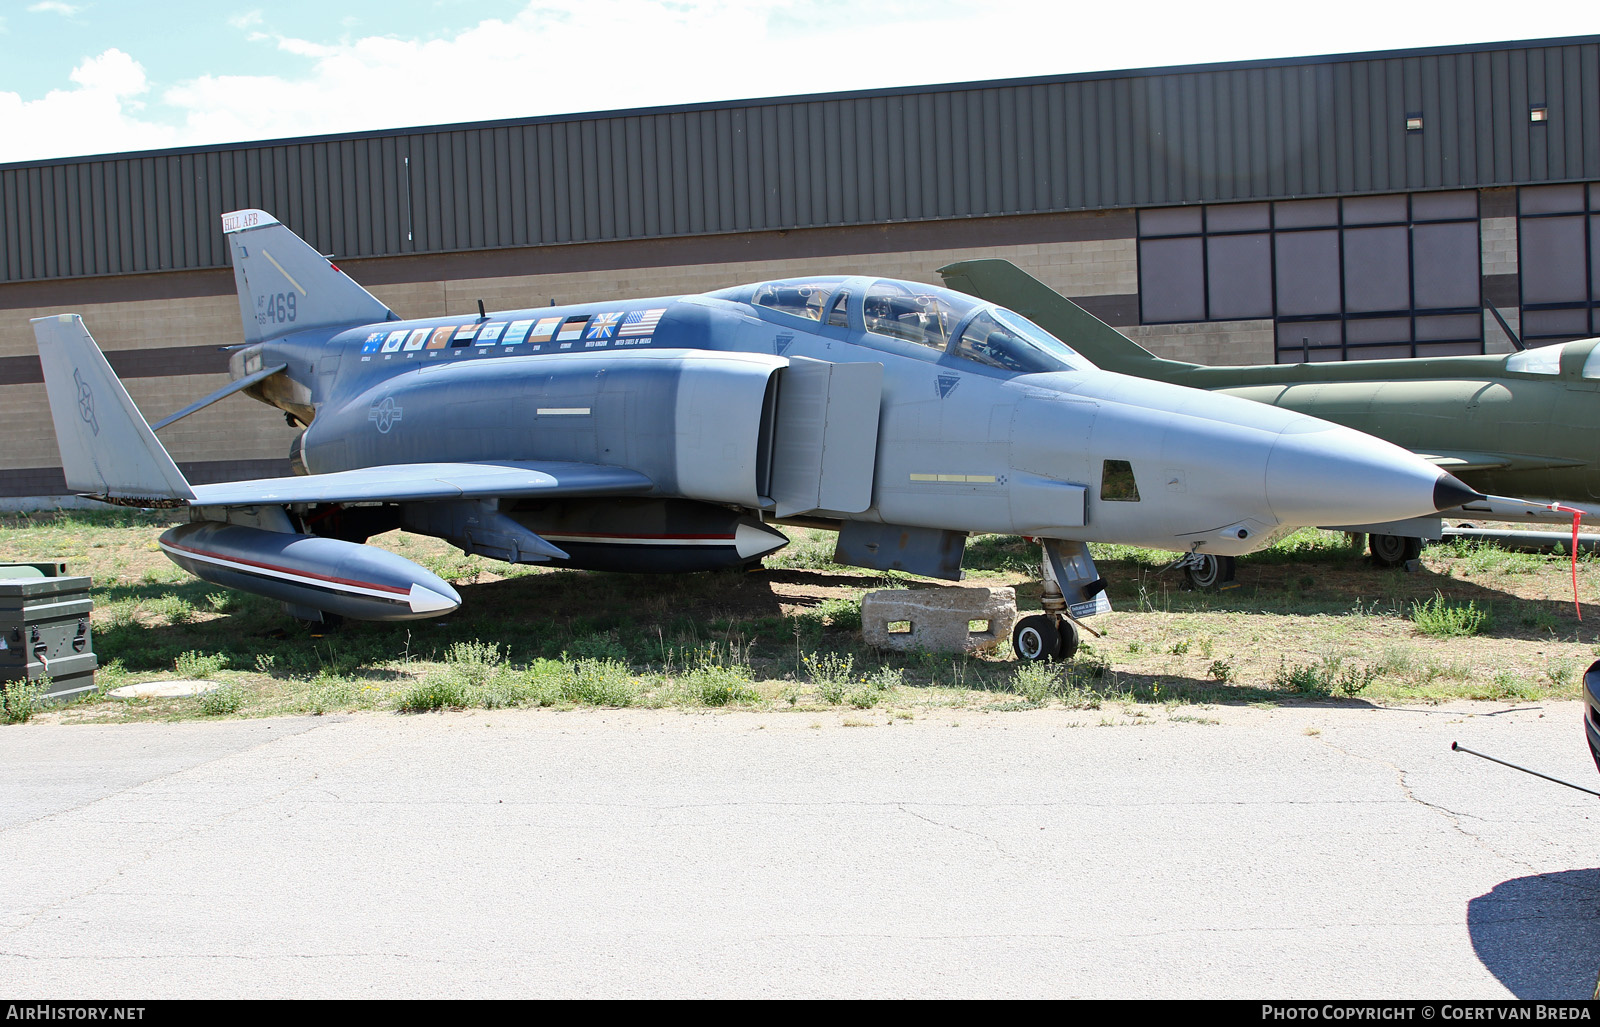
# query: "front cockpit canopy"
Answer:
x=944 y=321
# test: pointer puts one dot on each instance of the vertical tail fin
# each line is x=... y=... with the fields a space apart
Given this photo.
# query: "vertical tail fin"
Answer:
x=286 y=286
x=107 y=449
x=1002 y=282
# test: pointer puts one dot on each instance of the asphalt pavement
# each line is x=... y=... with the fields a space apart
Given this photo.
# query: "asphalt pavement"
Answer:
x=1290 y=852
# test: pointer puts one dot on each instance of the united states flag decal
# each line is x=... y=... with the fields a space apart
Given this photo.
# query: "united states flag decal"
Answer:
x=641 y=322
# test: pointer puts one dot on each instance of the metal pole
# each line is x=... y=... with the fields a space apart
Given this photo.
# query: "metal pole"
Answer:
x=1457 y=747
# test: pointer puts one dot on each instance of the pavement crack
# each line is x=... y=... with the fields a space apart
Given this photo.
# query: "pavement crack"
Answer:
x=1453 y=817
x=963 y=830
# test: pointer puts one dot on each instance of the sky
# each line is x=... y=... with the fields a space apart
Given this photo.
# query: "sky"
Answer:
x=105 y=76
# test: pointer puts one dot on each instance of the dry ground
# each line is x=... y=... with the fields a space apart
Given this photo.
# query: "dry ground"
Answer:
x=1311 y=621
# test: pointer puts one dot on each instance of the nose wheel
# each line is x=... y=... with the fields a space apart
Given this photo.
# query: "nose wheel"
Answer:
x=1041 y=637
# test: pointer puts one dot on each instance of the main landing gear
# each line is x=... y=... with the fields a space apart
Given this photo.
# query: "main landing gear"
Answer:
x=1073 y=589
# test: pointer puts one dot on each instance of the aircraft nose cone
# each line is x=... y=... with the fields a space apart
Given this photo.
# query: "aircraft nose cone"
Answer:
x=1450 y=492
x=1328 y=475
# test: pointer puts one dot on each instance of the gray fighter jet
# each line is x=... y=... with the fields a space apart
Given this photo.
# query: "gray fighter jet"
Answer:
x=672 y=434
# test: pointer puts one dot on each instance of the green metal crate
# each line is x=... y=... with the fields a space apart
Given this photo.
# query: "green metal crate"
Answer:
x=44 y=633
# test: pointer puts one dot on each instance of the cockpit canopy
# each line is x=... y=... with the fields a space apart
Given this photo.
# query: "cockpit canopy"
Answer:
x=945 y=322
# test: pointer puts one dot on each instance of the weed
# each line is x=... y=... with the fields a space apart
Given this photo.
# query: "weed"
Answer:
x=599 y=647
x=711 y=684
x=1538 y=619
x=1508 y=685
x=20 y=700
x=600 y=683
x=1221 y=671
x=222 y=701
x=327 y=694
x=1038 y=682
x=265 y=662
x=475 y=663
x=221 y=602
x=172 y=608
x=830 y=672
x=842 y=614
x=433 y=693
x=874 y=688
x=1443 y=619
x=1323 y=678
x=195 y=667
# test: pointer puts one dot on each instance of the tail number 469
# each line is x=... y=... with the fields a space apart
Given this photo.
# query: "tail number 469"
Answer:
x=275 y=309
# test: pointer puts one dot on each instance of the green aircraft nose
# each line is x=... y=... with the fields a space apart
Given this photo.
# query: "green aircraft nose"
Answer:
x=1449 y=492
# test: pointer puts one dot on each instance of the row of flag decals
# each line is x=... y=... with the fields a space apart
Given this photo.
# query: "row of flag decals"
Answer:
x=591 y=329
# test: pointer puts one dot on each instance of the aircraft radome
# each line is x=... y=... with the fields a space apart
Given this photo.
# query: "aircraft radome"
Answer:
x=1517 y=425
x=673 y=434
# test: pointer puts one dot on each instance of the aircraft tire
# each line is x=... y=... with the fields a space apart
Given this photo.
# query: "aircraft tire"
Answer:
x=1035 y=638
x=1067 y=646
x=1393 y=550
x=1212 y=571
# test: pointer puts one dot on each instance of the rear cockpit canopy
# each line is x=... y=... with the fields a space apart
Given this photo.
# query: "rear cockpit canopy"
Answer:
x=951 y=324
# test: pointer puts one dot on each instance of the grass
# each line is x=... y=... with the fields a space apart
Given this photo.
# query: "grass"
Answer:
x=1443 y=619
x=1311 y=620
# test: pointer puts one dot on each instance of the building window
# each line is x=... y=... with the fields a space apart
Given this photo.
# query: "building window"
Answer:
x=1558 y=239
x=1538 y=115
x=1362 y=277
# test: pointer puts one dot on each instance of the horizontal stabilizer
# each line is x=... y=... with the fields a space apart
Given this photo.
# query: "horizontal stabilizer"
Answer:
x=399 y=483
x=107 y=449
x=1000 y=281
x=222 y=393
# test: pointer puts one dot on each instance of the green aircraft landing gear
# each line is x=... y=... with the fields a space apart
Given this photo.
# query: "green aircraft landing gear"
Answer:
x=1393 y=550
x=1206 y=572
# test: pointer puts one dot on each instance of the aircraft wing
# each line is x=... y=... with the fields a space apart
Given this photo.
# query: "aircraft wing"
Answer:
x=431 y=481
x=1462 y=460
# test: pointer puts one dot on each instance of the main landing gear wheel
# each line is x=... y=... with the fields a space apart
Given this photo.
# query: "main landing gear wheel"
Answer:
x=1039 y=638
x=1206 y=571
x=1394 y=550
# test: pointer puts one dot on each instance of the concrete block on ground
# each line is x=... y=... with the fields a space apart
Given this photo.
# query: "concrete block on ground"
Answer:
x=938 y=619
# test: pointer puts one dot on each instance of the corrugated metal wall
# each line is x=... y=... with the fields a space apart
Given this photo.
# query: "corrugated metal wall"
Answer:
x=1295 y=128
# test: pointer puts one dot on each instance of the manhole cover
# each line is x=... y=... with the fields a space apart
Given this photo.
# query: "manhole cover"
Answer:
x=163 y=689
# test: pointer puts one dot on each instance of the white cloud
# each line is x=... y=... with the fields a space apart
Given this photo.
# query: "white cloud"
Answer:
x=563 y=56
x=99 y=116
x=54 y=7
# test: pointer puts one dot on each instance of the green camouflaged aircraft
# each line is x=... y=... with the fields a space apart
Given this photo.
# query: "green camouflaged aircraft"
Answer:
x=1525 y=424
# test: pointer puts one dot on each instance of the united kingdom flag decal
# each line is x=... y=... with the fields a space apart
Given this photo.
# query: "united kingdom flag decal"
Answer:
x=602 y=326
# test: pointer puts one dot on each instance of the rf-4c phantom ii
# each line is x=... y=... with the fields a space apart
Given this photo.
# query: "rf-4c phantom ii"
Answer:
x=672 y=434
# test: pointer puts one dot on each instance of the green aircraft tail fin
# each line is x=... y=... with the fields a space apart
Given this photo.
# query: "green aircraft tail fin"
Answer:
x=1002 y=282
